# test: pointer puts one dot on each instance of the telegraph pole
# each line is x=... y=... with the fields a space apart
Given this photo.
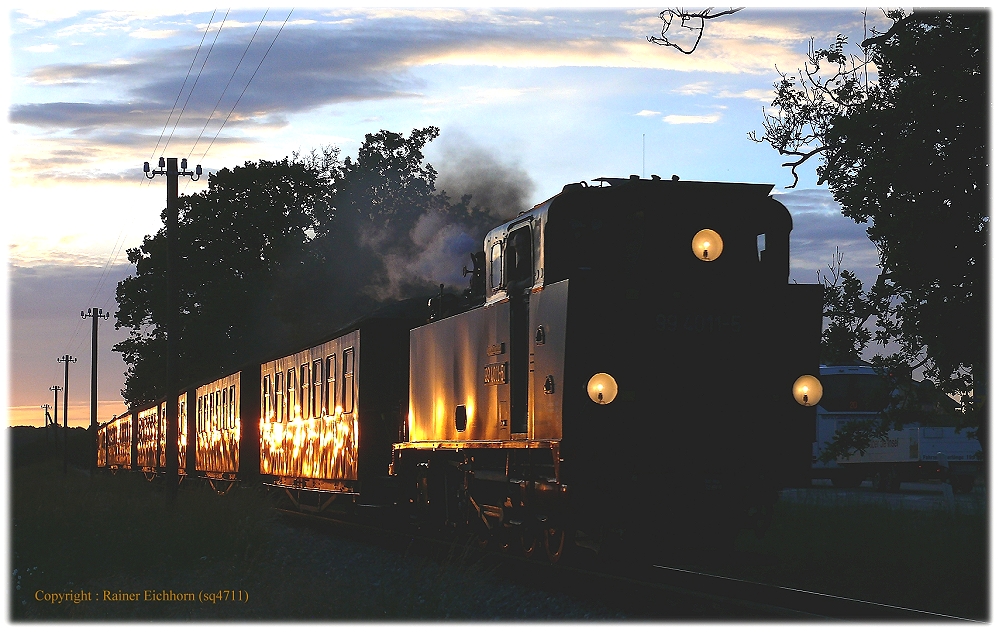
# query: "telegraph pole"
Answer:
x=48 y=418
x=55 y=397
x=94 y=313
x=65 y=413
x=169 y=169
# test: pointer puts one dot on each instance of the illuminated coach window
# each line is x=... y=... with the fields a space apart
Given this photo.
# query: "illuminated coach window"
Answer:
x=279 y=397
x=267 y=397
x=292 y=391
x=348 y=380
x=303 y=390
x=317 y=389
x=331 y=385
x=232 y=406
x=224 y=416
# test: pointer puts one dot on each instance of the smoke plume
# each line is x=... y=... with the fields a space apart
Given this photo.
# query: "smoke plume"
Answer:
x=420 y=253
x=503 y=189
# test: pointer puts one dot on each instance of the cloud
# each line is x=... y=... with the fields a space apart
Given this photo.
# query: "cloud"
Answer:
x=42 y=48
x=648 y=113
x=681 y=119
x=43 y=14
x=144 y=33
x=766 y=96
x=819 y=228
x=321 y=64
x=690 y=89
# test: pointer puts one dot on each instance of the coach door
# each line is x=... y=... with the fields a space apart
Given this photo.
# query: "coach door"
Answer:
x=519 y=267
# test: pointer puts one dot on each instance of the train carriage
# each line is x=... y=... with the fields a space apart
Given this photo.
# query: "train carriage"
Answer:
x=150 y=432
x=115 y=446
x=330 y=413
x=595 y=389
x=223 y=412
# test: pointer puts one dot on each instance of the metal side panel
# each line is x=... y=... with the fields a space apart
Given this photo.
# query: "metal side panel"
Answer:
x=547 y=343
x=217 y=424
x=148 y=437
x=306 y=434
x=461 y=361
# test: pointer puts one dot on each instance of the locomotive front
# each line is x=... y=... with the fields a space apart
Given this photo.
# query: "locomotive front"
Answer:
x=630 y=369
x=684 y=339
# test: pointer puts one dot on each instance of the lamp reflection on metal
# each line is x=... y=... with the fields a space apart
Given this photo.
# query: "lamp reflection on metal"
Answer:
x=602 y=388
x=807 y=390
x=707 y=245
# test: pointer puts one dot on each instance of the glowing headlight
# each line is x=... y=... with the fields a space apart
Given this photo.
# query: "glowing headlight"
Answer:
x=707 y=245
x=602 y=388
x=807 y=390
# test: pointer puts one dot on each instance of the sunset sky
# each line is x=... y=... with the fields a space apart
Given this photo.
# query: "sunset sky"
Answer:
x=550 y=96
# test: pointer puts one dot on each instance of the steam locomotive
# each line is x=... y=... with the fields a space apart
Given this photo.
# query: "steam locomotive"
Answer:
x=629 y=360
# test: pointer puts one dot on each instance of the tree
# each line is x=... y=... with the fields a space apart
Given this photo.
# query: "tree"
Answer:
x=900 y=136
x=848 y=309
x=239 y=241
x=275 y=255
x=392 y=233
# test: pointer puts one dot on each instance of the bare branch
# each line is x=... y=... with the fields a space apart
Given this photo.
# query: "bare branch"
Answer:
x=687 y=22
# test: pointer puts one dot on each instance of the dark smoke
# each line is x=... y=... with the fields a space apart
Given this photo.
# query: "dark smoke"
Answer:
x=503 y=189
x=422 y=253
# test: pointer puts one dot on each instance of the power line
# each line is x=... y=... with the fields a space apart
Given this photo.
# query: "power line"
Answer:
x=201 y=70
x=238 y=64
x=181 y=91
x=247 y=84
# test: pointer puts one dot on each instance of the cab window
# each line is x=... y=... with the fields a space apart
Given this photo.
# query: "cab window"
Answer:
x=496 y=265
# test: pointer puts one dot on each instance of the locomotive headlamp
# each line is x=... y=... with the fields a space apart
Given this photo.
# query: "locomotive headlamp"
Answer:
x=602 y=388
x=707 y=245
x=807 y=390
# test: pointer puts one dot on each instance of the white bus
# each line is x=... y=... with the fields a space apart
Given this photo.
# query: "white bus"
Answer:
x=916 y=452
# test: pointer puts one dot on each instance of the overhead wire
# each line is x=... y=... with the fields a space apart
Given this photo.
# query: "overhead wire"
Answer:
x=122 y=235
x=247 y=84
x=226 y=88
x=210 y=49
x=181 y=91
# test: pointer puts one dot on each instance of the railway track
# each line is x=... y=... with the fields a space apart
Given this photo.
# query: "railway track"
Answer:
x=642 y=591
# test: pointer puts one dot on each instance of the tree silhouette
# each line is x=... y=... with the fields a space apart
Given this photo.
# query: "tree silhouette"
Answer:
x=276 y=254
x=239 y=241
x=900 y=135
x=848 y=308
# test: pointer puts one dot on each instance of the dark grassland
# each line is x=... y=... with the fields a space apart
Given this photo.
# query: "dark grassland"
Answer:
x=115 y=533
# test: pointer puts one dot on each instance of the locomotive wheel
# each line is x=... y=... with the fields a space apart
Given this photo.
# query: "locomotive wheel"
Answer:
x=554 y=541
